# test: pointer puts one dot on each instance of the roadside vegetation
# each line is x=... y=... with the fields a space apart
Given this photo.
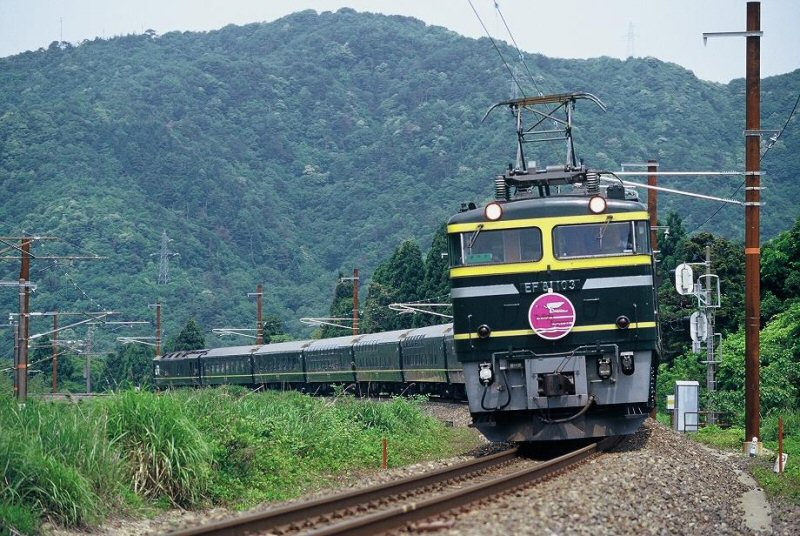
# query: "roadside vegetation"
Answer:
x=780 y=346
x=76 y=464
x=785 y=486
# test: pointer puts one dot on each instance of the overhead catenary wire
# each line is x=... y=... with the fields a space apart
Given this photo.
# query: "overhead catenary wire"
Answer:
x=497 y=49
x=79 y=289
x=519 y=52
x=773 y=140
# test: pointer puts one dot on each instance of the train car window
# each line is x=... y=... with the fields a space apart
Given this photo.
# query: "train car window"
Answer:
x=496 y=247
x=600 y=239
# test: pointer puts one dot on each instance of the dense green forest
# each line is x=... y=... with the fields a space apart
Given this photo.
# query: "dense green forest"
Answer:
x=286 y=153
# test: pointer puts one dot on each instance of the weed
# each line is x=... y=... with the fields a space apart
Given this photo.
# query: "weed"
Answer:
x=786 y=485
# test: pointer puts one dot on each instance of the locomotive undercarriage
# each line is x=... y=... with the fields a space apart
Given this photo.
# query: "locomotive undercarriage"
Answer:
x=595 y=391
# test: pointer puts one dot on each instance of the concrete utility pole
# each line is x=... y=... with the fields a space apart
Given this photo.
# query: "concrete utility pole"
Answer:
x=711 y=365
x=88 y=368
x=652 y=209
x=55 y=352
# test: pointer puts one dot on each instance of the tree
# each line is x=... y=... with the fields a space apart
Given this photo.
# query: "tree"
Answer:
x=780 y=272
x=274 y=331
x=42 y=359
x=405 y=272
x=727 y=262
x=341 y=307
x=670 y=243
x=190 y=338
x=779 y=369
x=130 y=365
x=436 y=284
x=400 y=279
x=377 y=315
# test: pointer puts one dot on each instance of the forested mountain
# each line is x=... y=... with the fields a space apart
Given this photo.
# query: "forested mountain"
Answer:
x=288 y=152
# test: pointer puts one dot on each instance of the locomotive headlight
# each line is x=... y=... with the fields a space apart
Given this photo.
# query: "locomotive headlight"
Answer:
x=485 y=374
x=604 y=367
x=623 y=322
x=484 y=331
x=597 y=204
x=493 y=211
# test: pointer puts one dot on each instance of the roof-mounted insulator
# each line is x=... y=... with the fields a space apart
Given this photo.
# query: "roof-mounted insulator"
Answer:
x=592 y=183
x=501 y=188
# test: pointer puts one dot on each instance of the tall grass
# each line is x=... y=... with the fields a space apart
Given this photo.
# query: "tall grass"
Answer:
x=168 y=455
x=57 y=462
x=274 y=445
x=74 y=464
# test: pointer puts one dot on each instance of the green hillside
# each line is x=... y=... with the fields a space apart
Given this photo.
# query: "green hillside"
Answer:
x=286 y=152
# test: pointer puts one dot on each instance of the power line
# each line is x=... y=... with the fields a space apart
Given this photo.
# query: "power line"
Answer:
x=79 y=289
x=519 y=52
x=773 y=140
x=497 y=49
x=722 y=205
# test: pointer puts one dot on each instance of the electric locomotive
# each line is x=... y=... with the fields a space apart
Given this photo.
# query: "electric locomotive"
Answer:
x=554 y=302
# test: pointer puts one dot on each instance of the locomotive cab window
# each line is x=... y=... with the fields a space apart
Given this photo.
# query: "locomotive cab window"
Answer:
x=495 y=247
x=601 y=239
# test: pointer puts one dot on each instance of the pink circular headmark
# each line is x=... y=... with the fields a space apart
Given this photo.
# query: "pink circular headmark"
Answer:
x=552 y=316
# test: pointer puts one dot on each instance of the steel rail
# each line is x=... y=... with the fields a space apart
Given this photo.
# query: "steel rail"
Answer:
x=263 y=521
x=400 y=516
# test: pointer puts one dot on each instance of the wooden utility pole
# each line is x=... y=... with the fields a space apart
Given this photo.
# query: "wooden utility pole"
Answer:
x=158 y=329
x=22 y=337
x=23 y=326
x=355 y=301
x=752 y=215
x=752 y=246
x=652 y=201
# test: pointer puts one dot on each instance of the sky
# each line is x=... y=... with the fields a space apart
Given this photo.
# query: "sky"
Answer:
x=670 y=30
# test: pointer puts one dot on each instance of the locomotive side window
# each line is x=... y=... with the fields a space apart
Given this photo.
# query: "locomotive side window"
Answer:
x=496 y=247
x=601 y=239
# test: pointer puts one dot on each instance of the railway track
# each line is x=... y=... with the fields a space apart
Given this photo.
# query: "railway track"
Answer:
x=396 y=504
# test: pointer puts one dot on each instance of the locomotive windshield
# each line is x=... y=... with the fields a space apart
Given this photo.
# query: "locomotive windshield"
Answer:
x=496 y=247
x=601 y=239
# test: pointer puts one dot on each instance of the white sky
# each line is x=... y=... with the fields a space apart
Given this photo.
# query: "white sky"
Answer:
x=670 y=30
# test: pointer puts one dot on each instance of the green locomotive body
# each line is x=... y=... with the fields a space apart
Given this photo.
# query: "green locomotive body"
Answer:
x=590 y=372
